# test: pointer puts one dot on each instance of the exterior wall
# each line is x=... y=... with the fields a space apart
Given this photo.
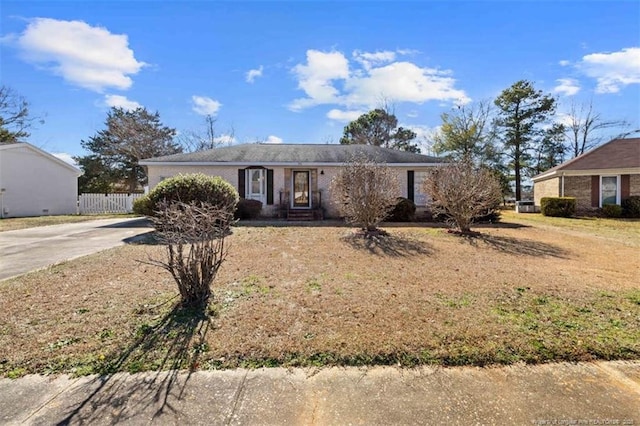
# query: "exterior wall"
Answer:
x=634 y=184
x=546 y=188
x=580 y=188
x=281 y=180
x=34 y=185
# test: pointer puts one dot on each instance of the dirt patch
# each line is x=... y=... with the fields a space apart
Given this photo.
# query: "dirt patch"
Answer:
x=326 y=296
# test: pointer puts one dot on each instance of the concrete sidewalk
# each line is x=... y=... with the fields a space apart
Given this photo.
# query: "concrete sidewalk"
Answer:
x=553 y=394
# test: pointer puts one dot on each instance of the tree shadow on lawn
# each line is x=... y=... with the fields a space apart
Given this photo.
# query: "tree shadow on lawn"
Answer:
x=516 y=246
x=386 y=244
x=163 y=349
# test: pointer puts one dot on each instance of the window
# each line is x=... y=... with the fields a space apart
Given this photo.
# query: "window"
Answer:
x=256 y=184
x=609 y=190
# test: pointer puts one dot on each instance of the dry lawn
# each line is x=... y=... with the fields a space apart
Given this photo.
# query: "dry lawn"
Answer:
x=319 y=295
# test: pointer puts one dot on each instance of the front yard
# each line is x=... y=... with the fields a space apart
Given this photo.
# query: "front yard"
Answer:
x=528 y=290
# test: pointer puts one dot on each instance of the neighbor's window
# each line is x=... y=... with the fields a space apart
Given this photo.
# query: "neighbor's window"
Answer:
x=609 y=190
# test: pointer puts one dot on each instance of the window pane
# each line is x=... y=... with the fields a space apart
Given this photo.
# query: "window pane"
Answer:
x=255 y=181
x=609 y=190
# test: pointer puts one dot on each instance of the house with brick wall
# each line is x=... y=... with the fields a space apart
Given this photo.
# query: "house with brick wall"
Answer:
x=292 y=178
x=605 y=175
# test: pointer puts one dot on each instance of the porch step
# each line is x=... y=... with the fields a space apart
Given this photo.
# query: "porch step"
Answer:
x=300 y=215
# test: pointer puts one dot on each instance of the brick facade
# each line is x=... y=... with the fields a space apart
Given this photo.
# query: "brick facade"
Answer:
x=634 y=184
x=546 y=188
x=580 y=188
x=320 y=180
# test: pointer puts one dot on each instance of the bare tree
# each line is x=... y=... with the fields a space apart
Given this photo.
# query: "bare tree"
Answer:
x=462 y=192
x=364 y=192
x=584 y=128
x=205 y=138
x=14 y=116
x=194 y=235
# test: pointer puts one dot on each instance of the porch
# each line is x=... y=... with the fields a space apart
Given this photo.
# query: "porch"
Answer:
x=305 y=206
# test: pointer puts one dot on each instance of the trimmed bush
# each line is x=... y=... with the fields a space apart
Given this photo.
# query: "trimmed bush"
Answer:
x=558 y=206
x=404 y=211
x=612 y=210
x=248 y=209
x=631 y=206
x=142 y=206
x=188 y=188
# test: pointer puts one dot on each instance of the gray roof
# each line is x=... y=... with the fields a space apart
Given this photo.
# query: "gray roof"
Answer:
x=294 y=154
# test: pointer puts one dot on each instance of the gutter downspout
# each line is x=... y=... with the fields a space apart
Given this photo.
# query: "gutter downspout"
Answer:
x=562 y=184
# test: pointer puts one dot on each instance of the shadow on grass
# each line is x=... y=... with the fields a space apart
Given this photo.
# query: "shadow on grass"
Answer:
x=517 y=246
x=164 y=349
x=386 y=244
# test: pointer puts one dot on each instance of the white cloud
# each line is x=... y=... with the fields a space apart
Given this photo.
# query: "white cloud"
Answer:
x=85 y=56
x=67 y=158
x=564 y=63
x=403 y=82
x=225 y=139
x=567 y=86
x=204 y=105
x=369 y=59
x=316 y=78
x=564 y=118
x=613 y=70
x=345 y=116
x=412 y=114
x=120 y=101
x=328 y=78
x=253 y=74
x=273 y=139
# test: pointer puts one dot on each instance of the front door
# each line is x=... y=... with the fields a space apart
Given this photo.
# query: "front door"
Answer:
x=301 y=197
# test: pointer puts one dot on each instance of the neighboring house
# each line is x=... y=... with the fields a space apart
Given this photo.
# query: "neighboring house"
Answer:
x=271 y=173
x=605 y=175
x=35 y=183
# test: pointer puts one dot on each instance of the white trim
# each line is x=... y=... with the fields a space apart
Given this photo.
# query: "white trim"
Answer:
x=589 y=172
x=274 y=164
x=263 y=185
x=618 y=189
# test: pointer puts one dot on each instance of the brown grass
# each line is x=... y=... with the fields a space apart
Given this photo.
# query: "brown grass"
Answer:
x=325 y=296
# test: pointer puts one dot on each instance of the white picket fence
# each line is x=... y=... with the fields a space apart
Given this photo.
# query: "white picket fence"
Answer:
x=106 y=203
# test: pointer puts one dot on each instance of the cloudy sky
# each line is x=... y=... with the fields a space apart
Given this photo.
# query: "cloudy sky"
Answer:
x=297 y=72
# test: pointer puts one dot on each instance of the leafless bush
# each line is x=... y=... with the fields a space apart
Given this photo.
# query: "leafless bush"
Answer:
x=462 y=192
x=194 y=236
x=364 y=192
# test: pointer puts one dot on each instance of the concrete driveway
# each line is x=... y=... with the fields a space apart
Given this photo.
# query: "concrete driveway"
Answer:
x=29 y=249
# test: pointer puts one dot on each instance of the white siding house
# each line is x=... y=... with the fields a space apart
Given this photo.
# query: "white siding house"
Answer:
x=35 y=183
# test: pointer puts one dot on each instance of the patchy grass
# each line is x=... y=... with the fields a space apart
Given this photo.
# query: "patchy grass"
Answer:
x=316 y=296
x=13 y=223
x=626 y=231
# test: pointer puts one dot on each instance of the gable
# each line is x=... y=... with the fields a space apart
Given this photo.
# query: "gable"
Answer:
x=28 y=149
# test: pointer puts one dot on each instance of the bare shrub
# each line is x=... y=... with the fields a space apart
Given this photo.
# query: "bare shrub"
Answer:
x=461 y=192
x=364 y=192
x=194 y=236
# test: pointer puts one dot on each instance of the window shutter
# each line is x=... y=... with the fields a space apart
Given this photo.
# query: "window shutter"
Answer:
x=595 y=191
x=241 y=183
x=269 y=186
x=625 y=187
x=410 y=179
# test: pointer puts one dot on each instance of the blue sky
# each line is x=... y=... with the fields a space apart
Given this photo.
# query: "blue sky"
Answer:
x=297 y=72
